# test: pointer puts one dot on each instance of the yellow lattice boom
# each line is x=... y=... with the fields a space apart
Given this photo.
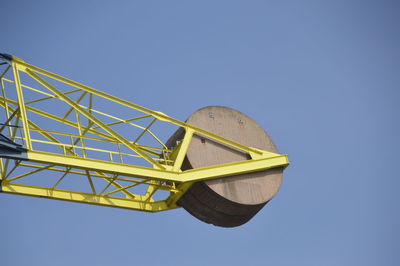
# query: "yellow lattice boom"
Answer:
x=63 y=140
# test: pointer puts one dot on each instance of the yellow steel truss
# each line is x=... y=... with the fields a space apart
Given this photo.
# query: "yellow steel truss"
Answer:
x=96 y=148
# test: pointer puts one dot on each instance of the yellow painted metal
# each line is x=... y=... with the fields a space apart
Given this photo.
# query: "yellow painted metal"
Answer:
x=21 y=105
x=81 y=197
x=182 y=149
x=114 y=159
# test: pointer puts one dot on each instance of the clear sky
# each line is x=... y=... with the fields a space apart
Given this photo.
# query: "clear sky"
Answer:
x=322 y=77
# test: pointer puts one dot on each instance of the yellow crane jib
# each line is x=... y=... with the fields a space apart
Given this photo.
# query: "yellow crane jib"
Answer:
x=60 y=139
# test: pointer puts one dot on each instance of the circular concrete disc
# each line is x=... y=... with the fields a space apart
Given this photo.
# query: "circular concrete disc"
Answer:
x=228 y=201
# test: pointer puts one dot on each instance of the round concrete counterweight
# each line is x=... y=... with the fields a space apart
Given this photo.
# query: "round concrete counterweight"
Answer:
x=229 y=201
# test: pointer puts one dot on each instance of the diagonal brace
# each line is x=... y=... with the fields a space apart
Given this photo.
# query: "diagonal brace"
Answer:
x=88 y=115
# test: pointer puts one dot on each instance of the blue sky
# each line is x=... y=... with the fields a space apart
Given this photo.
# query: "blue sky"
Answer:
x=322 y=77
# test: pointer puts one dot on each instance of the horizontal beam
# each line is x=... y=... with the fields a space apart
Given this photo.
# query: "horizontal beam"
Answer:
x=193 y=175
x=85 y=198
x=100 y=166
x=232 y=169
